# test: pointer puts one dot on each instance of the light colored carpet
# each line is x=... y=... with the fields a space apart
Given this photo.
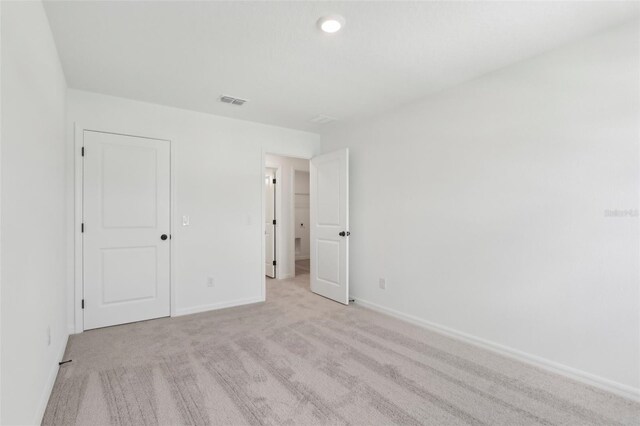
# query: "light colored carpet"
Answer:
x=301 y=359
x=303 y=266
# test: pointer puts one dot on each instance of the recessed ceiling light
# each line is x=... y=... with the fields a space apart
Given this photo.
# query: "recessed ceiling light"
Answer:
x=331 y=24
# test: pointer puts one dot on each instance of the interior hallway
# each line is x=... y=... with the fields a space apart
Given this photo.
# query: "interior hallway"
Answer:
x=302 y=359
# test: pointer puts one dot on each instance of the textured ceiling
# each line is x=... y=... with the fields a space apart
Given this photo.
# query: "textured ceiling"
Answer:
x=186 y=54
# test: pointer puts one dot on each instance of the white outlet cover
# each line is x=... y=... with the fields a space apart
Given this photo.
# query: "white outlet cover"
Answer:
x=382 y=283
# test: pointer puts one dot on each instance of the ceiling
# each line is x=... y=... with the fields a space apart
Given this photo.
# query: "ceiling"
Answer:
x=186 y=54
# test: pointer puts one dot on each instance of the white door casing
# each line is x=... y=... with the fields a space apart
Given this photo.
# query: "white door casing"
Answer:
x=126 y=214
x=269 y=226
x=329 y=221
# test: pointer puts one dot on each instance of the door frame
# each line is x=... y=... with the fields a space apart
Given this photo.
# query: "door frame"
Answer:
x=263 y=166
x=78 y=282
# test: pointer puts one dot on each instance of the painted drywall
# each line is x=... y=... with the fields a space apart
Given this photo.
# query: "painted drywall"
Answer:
x=507 y=208
x=302 y=213
x=33 y=247
x=218 y=181
x=272 y=52
x=0 y=212
x=285 y=213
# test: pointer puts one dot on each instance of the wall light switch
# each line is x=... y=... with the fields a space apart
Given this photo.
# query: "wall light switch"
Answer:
x=382 y=283
x=185 y=220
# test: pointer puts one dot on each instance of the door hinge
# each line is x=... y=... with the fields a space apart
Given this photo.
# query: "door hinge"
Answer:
x=82 y=303
x=274 y=221
x=274 y=263
x=274 y=181
x=83 y=151
x=82 y=227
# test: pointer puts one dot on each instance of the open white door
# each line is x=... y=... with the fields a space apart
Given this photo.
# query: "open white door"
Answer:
x=329 y=202
x=126 y=229
x=270 y=223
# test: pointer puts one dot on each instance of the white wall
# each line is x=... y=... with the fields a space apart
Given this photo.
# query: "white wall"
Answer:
x=301 y=184
x=33 y=276
x=218 y=182
x=285 y=250
x=302 y=214
x=0 y=213
x=484 y=207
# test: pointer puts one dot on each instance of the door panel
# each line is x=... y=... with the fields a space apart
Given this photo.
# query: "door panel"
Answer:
x=131 y=188
x=328 y=184
x=122 y=266
x=126 y=209
x=329 y=202
x=328 y=261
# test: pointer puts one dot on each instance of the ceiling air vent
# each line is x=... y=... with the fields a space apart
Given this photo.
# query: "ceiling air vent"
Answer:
x=231 y=100
x=322 y=119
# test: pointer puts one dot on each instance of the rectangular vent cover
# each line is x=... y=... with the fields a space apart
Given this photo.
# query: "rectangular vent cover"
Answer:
x=323 y=119
x=231 y=100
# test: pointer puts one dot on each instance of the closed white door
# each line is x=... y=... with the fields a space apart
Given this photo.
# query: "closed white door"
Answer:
x=329 y=202
x=126 y=221
x=270 y=223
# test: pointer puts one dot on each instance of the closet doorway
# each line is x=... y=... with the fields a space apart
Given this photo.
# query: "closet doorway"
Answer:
x=301 y=234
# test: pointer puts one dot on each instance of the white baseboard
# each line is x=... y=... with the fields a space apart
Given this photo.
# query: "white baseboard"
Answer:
x=216 y=306
x=51 y=379
x=617 y=388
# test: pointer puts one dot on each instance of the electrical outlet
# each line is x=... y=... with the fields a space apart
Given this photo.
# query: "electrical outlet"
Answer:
x=210 y=282
x=48 y=336
x=382 y=283
x=186 y=221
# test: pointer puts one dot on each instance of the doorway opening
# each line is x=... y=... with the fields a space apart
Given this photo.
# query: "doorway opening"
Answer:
x=286 y=202
x=307 y=240
x=301 y=235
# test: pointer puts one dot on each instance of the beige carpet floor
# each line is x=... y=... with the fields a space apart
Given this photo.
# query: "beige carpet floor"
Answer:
x=300 y=359
x=303 y=267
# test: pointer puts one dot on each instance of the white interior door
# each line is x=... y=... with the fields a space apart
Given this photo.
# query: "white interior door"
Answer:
x=270 y=226
x=126 y=221
x=329 y=219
